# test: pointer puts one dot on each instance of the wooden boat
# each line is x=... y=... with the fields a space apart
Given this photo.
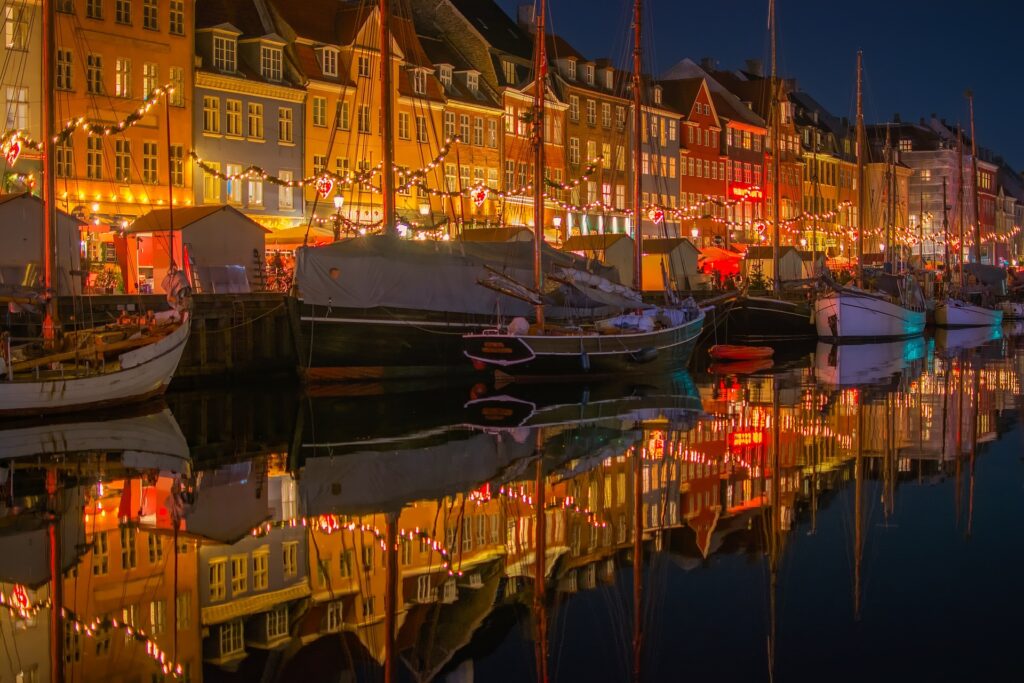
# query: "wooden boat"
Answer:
x=741 y=367
x=740 y=353
x=1012 y=310
x=851 y=314
x=957 y=313
x=764 y=318
x=95 y=373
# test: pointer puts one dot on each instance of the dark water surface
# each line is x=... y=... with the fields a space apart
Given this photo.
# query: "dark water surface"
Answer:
x=847 y=514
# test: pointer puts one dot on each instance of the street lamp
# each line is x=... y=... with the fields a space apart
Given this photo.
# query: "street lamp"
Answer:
x=339 y=201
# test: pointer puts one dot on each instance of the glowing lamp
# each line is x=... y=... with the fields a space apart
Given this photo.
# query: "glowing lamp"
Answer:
x=424 y=209
x=694 y=233
x=339 y=201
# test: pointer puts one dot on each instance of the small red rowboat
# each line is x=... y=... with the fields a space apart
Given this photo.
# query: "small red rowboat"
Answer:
x=730 y=352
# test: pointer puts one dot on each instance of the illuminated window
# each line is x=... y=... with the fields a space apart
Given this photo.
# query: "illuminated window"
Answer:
x=151 y=175
x=211 y=114
x=224 y=53
x=150 y=74
x=239 y=575
x=100 y=554
x=260 y=561
x=218 y=579
x=122 y=77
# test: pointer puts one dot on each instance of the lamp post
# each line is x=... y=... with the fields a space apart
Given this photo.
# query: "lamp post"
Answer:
x=557 y=221
x=339 y=201
x=695 y=234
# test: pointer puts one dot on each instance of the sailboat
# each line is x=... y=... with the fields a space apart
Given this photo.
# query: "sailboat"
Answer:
x=126 y=362
x=637 y=337
x=958 y=311
x=772 y=318
x=896 y=309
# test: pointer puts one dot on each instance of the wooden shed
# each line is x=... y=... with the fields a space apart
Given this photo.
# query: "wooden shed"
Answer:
x=677 y=255
x=221 y=249
x=612 y=249
x=759 y=259
x=21 y=228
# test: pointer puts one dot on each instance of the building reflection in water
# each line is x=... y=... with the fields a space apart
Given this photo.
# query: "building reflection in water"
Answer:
x=255 y=544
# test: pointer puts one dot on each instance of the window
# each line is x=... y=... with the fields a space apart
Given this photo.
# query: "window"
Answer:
x=444 y=74
x=149 y=77
x=591 y=150
x=449 y=124
x=100 y=552
x=606 y=155
x=319 y=164
x=657 y=95
x=255 y=121
x=150 y=175
x=182 y=611
x=478 y=131
x=510 y=174
x=620 y=158
x=231 y=641
x=606 y=115
x=335 y=612
x=239 y=563
x=609 y=79
x=128 y=557
x=574 y=106
x=574 y=151
x=556 y=136
x=123 y=11
x=367 y=553
x=177 y=17
x=16 y=27
x=571 y=69
x=285 y=125
x=235 y=197
x=122 y=77
x=588 y=71
x=424 y=591
x=509 y=71
x=320 y=111
x=261 y=557
x=492 y=132
x=329 y=61
x=464 y=131
x=591 y=113
x=472 y=81
x=233 y=117
x=620 y=118
x=620 y=197
x=122 y=173
x=363 y=64
x=149 y=15
x=271 y=66
x=211 y=114
x=64 y=70
x=65 y=159
x=65 y=6
x=364 y=118
x=277 y=622
x=17 y=107
x=285 y=200
x=403 y=125
x=419 y=82
x=94 y=74
x=177 y=79
x=224 y=53
x=211 y=195
x=421 y=128
x=94 y=9
x=906 y=145
x=368 y=607
x=157 y=617
x=218 y=574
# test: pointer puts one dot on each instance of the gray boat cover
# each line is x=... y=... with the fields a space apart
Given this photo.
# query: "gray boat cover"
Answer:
x=378 y=271
x=993 y=277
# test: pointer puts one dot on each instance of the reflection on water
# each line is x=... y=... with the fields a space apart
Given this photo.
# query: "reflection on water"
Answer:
x=831 y=508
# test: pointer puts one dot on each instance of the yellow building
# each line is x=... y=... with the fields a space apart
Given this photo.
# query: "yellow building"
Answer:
x=336 y=47
x=110 y=57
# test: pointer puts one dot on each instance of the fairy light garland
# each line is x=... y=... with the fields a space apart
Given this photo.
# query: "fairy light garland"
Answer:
x=18 y=606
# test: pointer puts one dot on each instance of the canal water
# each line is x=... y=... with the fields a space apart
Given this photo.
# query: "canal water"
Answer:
x=844 y=514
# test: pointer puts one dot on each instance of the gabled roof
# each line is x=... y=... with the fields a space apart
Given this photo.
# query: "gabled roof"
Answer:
x=726 y=103
x=159 y=220
x=323 y=21
x=497 y=28
x=439 y=51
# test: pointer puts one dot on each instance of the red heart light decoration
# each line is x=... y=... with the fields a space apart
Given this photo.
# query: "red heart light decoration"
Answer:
x=324 y=185
x=13 y=152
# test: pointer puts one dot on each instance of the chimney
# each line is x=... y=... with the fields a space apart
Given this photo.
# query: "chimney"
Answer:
x=755 y=68
x=526 y=14
x=707 y=63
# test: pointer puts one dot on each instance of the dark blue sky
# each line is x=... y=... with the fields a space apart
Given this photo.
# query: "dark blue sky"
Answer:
x=919 y=55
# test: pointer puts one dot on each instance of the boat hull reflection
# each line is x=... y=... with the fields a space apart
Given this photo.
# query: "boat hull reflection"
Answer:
x=842 y=365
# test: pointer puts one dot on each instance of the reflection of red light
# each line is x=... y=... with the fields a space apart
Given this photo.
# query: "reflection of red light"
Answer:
x=746 y=439
x=19 y=596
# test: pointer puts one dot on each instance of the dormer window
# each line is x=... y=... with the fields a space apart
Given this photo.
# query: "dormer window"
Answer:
x=419 y=82
x=571 y=69
x=224 y=53
x=472 y=82
x=271 y=63
x=329 y=61
x=657 y=95
x=444 y=74
x=509 y=70
x=589 y=71
x=609 y=79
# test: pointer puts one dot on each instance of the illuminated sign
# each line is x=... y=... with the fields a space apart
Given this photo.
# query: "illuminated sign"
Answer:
x=748 y=192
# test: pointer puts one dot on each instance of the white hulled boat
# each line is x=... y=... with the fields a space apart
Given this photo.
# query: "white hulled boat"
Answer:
x=896 y=311
x=956 y=313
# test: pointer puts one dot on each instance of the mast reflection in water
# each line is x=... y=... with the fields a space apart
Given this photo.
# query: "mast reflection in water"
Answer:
x=837 y=512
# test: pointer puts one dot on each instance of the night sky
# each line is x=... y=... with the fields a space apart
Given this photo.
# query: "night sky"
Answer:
x=919 y=55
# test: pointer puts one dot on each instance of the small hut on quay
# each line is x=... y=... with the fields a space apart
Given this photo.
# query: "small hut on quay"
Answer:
x=21 y=259
x=612 y=249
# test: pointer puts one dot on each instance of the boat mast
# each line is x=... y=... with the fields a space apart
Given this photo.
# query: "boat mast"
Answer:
x=974 y=184
x=387 y=175
x=540 y=565
x=888 y=196
x=945 y=228
x=773 y=121
x=170 y=182
x=51 y=320
x=638 y=557
x=860 y=169
x=960 y=200
x=56 y=565
x=540 y=70
x=920 y=228
x=638 y=122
